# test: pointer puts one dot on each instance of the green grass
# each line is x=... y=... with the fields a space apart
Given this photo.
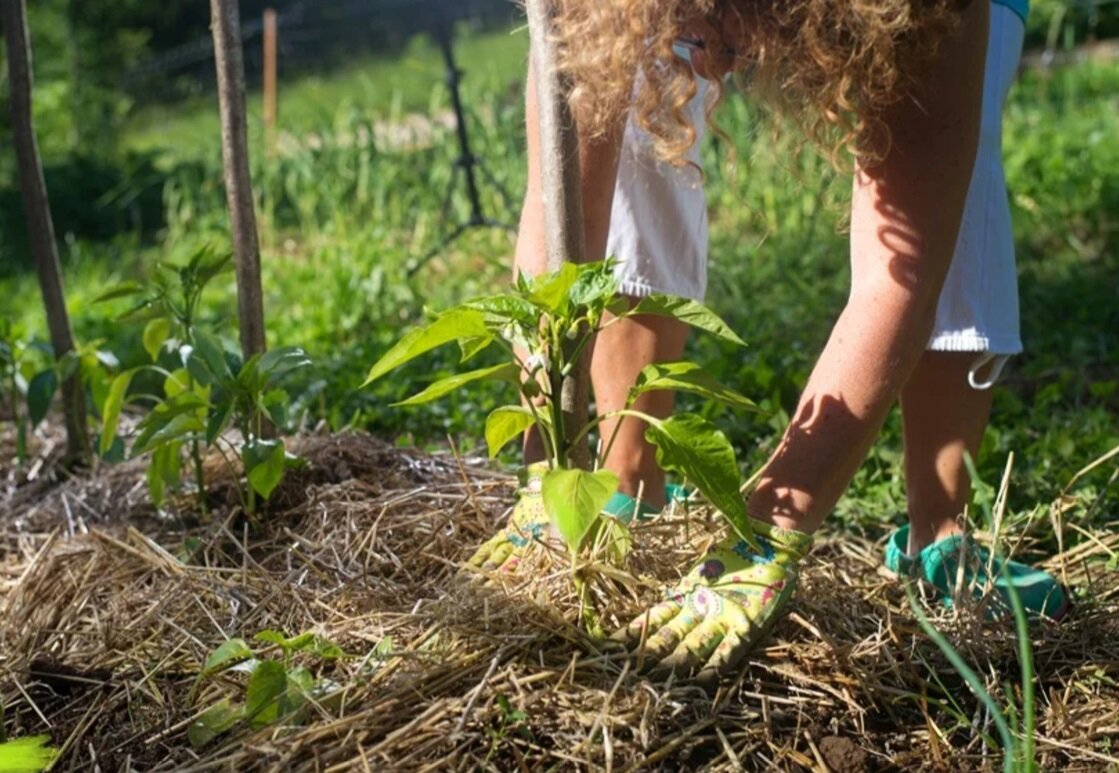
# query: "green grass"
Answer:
x=342 y=222
x=384 y=88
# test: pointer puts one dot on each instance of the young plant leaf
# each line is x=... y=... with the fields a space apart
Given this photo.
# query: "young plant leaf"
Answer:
x=228 y=653
x=214 y=721
x=552 y=291
x=454 y=325
x=687 y=377
x=265 y=463
x=27 y=755
x=574 y=500
x=504 y=424
x=689 y=312
x=155 y=334
x=40 y=392
x=123 y=290
x=164 y=469
x=506 y=372
x=696 y=449
x=262 y=697
x=596 y=282
x=110 y=411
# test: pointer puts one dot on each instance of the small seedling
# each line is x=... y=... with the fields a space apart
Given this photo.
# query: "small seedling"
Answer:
x=277 y=690
x=544 y=325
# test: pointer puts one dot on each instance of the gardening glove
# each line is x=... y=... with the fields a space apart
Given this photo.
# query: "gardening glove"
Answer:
x=938 y=566
x=529 y=523
x=723 y=608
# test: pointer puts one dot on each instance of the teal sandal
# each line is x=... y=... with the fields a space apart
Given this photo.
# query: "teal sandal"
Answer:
x=938 y=565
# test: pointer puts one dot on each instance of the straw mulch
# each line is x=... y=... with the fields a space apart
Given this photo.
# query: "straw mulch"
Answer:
x=108 y=609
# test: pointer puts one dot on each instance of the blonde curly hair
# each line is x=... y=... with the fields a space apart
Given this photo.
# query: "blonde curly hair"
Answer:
x=832 y=66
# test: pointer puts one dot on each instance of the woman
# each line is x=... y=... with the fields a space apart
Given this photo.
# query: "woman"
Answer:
x=933 y=296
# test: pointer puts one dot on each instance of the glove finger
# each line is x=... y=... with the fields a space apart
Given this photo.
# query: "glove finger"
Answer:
x=652 y=620
x=484 y=551
x=498 y=557
x=665 y=640
x=693 y=652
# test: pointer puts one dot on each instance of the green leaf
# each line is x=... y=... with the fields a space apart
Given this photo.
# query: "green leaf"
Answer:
x=175 y=419
x=595 y=284
x=207 y=362
x=155 y=334
x=574 y=500
x=326 y=649
x=123 y=290
x=272 y=636
x=689 y=312
x=506 y=372
x=695 y=448
x=214 y=721
x=504 y=424
x=471 y=347
x=40 y=392
x=219 y=416
x=265 y=463
x=27 y=755
x=551 y=291
x=228 y=653
x=506 y=308
x=262 y=697
x=454 y=325
x=687 y=377
x=277 y=363
x=165 y=469
x=110 y=411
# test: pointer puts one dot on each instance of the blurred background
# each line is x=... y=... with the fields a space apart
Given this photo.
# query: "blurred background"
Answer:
x=356 y=194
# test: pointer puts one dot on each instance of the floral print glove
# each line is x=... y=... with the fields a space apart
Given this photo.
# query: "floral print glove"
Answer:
x=723 y=608
x=529 y=523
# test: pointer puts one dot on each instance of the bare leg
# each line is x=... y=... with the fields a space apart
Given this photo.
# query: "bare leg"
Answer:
x=943 y=417
x=620 y=354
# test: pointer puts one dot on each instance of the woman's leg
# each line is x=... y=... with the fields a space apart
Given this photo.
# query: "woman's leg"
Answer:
x=943 y=417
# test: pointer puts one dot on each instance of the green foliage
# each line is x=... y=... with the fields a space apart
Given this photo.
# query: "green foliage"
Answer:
x=545 y=324
x=27 y=755
x=209 y=393
x=276 y=690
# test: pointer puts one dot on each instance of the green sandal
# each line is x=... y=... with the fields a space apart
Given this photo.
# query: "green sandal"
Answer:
x=724 y=607
x=937 y=565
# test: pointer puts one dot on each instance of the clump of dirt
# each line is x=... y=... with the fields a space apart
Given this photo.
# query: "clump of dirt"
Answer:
x=843 y=755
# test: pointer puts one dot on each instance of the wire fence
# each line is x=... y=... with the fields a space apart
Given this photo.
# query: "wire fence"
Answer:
x=311 y=36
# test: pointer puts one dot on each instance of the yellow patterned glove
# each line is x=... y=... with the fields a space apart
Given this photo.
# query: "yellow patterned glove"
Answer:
x=527 y=524
x=723 y=608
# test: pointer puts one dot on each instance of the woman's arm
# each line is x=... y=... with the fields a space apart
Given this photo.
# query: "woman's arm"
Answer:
x=906 y=214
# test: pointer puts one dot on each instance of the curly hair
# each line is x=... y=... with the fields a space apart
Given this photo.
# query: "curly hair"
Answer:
x=832 y=66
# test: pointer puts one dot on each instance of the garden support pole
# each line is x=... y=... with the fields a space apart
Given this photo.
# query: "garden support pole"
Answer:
x=228 y=56
x=40 y=226
x=562 y=192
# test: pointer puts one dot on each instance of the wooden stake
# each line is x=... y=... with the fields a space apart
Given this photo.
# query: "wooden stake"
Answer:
x=270 y=114
x=229 y=58
x=40 y=226
x=562 y=191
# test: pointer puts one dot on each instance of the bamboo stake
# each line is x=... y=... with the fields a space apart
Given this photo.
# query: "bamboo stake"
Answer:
x=229 y=59
x=40 y=226
x=562 y=192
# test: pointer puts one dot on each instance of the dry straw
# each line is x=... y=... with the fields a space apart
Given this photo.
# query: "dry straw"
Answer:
x=108 y=609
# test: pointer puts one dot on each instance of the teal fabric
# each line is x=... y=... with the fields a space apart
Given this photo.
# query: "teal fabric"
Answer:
x=937 y=564
x=624 y=507
x=1020 y=7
